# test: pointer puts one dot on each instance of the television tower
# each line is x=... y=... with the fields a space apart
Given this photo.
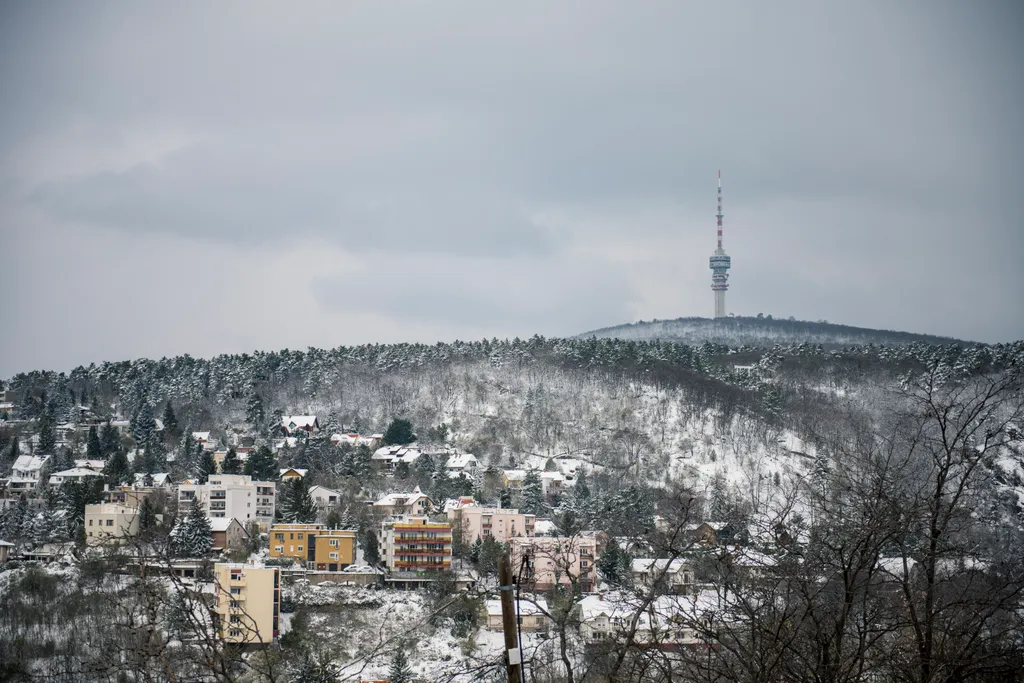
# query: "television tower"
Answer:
x=720 y=263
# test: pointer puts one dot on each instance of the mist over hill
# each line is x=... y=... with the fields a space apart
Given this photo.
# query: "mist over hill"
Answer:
x=761 y=331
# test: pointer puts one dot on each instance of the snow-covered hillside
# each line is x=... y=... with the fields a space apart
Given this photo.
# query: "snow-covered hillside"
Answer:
x=736 y=331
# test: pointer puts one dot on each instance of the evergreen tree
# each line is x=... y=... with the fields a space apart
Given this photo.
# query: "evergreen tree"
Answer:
x=147 y=515
x=192 y=536
x=533 y=494
x=93 y=448
x=190 y=448
x=613 y=564
x=171 y=429
x=116 y=470
x=110 y=440
x=297 y=505
x=13 y=519
x=231 y=463
x=205 y=466
x=505 y=498
x=261 y=465
x=399 y=433
x=255 y=413
x=47 y=434
x=371 y=549
x=333 y=520
x=73 y=496
x=144 y=426
x=399 y=672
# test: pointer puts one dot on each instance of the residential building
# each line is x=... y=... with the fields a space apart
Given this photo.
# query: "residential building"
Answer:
x=313 y=545
x=389 y=457
x=475 y=522
x=325 y=498
x=220 y=454
x=672 y=576
x=416 y=545
x=204 y=440
x=356 y=439
x=25 y=475
x=129 y=496
x=556 y=560
x=513 y=479
x=399 y=504
x=553 y=483
x=465 y=463
x=5 y=551
x=289 y=473
x=532 y=615
x=74 y=474
x=160 y=480
x=232 y=495
x=110 y=522
x=227 y=533
x=97 y=465
x=293 y=424
x=667 y=622
x=248 y=602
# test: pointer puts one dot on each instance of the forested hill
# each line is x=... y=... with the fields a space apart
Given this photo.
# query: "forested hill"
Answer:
x=760 y=331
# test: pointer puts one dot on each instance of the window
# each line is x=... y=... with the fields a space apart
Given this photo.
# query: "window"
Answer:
x=334 y=543
x=300 y=537
x=90 y=522
x=279 y=549
x=300 y=548
x=236 y=590
x=334 y=556
x=235 y=619
x=110 y=522
x=234 y=632
x=235 y=604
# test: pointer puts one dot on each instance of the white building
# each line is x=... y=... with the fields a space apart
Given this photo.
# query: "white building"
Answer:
x=391 y=456
x=74 y=474
x=325 y=498
x=26 y=474
x=465 y=463
x=675 y=576
x=399 y=504
x=107 y=522
x=232 y=495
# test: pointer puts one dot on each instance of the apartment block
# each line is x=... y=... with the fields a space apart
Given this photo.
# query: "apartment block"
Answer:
x=480 y=522
x=416 y=545
x=556 y=560
x=315 y=546
x=110 y=522
x=248 y=602
x=232 y=495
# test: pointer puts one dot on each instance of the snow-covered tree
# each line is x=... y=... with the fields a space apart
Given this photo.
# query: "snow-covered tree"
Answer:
x=399 y=671
x=192 y=537
x=93 y=447
x=231 y=464
x=261 y=465
x=297 y=505
x=533 y=494
x=205 y=466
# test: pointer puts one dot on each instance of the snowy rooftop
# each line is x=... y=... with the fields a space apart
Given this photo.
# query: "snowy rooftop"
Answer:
x=525 y=607
x=91 y=464
x=298 y=421
x=644 y=565
x=220 y=523
x=461 y=461
x=30 y=463
x=76 y=472
x=297 y=470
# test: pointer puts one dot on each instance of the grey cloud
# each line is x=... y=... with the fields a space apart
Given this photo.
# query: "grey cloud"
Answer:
x=546 y=296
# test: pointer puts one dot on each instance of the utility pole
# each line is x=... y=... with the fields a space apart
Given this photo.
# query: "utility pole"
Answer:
x=509 y=623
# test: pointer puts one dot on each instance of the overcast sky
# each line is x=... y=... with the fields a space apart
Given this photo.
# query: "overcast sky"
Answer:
x=205 y=178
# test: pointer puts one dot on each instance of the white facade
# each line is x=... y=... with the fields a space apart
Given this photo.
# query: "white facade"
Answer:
x=25 y=474
x=232 y=495
x=74 y=474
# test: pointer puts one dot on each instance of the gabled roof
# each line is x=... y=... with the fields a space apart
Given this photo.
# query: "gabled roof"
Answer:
x=76 y=472
x=461 y=461
x=201 y=436
x=642 y=565
x=299 y=421
x=222 y=523
x=402 y=499
x=526 y=608
x=296 y=470
x=159 y=479
x=91 y=464
x=29 y=463
x=317 y=490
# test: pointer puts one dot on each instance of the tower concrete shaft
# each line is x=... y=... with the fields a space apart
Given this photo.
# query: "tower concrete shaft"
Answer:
x=720 y=262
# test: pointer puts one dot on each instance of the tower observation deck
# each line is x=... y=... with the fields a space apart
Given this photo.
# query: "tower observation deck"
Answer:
x=720 y=263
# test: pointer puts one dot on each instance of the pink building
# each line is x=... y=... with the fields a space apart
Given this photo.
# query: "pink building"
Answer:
x=552 y=560
x=480 y=522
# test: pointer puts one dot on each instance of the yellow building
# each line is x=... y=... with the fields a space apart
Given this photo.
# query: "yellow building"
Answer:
x=248 y=602
x=313 y=545
x=107 y=522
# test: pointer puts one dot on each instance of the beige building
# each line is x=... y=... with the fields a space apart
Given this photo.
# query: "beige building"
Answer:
x=401 y=504
x=106 y=522
x=313 y=545
x=480 y=522
x=248 y=602
x=227 y=534
x=531 y=615
x=554 y=560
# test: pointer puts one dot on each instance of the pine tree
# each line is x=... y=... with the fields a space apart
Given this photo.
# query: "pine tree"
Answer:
x=93 y=448
x=110 y=440
x=533 y=494
x=297 y=505
x=192 y=536
x=205 y=466
x=186 y=460
x=613 y=563
x=171 y=429
x=231 y=463
x=147 y=515
x=399 y=432
x=261 y=465
x=505 y=498
x=117 y=470
x=371 y=549
x=47 y=434
x=255 y=413
x=399 y=672
x=144 y=426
